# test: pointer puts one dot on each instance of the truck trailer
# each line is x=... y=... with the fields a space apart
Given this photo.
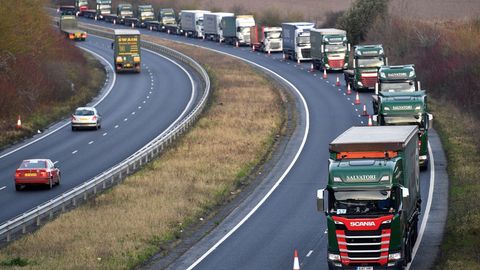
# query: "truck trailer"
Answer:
x=372 y=199
x=123 y=11
x=296 y=40
x=102 y=8
x=212 y=25
x=330 y=48
x=236 y=29
x=126 y=47
x=407 y=108
x=367 y=60
x=192 y=22
x=69 y=26
x=266 y=39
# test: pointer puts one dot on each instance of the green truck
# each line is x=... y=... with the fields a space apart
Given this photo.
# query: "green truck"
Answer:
x=330 y=48
x=166 y=17
x=102 y=8
x=123 y=12
x=372 y=198
x=407 y=108
x=395 y=79
x=126 y=48
x=69 y=26
x=143 y=14
x=367 y=60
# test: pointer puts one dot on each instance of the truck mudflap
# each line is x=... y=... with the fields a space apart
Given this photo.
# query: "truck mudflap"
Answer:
x=363 y=241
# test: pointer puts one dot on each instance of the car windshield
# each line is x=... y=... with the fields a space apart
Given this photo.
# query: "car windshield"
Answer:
x=363 y=202
x=33 y=164
x=273 y=34
x=335 y=47
x=84 y=112
x=397 y=87
x=302 y=40
x=370 y=62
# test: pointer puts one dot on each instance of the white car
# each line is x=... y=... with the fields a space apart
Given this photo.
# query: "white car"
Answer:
x=86 y=117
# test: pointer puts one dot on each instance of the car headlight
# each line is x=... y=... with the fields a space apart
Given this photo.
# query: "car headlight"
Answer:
x=394 y=256
x=334 y=257
x=136 y=59
x=119 y=59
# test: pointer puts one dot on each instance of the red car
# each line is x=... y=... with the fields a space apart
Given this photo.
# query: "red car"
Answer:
x=37 y=172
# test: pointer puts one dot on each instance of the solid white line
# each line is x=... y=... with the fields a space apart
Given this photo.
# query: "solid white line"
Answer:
x=309 y=253
x=280 y=180
x=429 y=205
x=74 y=152
x=2 y=188
x=64 y=125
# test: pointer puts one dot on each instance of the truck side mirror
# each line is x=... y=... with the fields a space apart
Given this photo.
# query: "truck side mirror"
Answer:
x=320 y=201
x=430 y=120
x=376 y=88
x=322 y=48
x=405 y=192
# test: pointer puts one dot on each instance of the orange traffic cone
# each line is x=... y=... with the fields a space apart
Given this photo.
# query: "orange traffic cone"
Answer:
x=365 y=113
x=19 y=123
x=133 y=25
x=269 y=52
x=296 y=263
x=236 y=44
x=324 y=73
x=284 y=57
x=253 y=48
x=357 y=99
x=298 y=61
x=349 y=90
x=338 y=81
x=312 y=68
x=168 y=31
x=370 y=121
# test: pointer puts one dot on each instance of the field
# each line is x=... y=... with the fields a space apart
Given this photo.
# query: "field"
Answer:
x=125 y=226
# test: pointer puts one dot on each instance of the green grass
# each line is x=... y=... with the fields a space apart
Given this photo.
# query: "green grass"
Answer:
x=458 y=132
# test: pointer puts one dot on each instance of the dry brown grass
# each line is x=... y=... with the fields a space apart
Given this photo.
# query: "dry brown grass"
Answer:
x=123 y=227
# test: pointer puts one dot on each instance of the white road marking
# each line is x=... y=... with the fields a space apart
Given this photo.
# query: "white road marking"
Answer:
x=116 y=126
x=327 y=81
x=361 y=122
x=90 y=142
x=429 y=205
x=309 y=253
x=326 y=231
x=133 y=113
x=74 y=152
x=104 y=134
x=2 y=188
x=55 y=162
x=139 y=107
x=125 y=120
x=353 y=104
x=68 y=123
x=144 y=102
x=150 y=92
x=348 y=98
x=148 y=97
x=356 y=109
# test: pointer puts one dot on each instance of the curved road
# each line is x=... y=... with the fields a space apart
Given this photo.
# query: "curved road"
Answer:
x=137 y=109
x=263 y=231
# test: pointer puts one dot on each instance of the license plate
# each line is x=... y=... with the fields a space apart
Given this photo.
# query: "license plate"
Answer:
x=364 y=267
x=84 y=118
x=128 y=65
x=30 y=174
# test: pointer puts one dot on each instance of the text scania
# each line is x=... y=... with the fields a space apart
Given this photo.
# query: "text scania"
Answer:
x=363 y=224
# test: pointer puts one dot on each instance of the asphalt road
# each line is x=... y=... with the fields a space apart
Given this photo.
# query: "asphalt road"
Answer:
x=137 y=109
x=280 y=215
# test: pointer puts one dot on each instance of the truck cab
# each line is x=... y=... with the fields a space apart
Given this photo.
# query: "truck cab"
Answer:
x=126 y=48
x=395 y=79
x=166 y=16
x=372 y=198
x=124 y=11
x=80 y=6
x=330 y=48
x=104 y=7
x=145 y=13
x=407 y=108
x=68 y=24
x=266 y=39
x=367 y=60
x=296 y=40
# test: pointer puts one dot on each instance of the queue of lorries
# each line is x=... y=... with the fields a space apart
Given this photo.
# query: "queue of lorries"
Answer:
x=372 y=199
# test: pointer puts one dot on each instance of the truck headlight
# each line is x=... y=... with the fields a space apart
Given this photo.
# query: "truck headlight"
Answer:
x=386 y=109
x=101 y=16
x=327 y=65
x=394 y=256
x=360 y=83
x=333 y=257
x=119 y=59
x=136 y=59
x=418 y=108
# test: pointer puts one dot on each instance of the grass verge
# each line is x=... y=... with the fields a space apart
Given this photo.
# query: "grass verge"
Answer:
x=125 y=226
x=461 y=243
x=41 y=117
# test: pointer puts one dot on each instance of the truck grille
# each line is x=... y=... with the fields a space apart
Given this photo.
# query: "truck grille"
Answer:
x=305 y=53
x=336 y=64
x=275 y=45
x=369 y=79
x=359 y=248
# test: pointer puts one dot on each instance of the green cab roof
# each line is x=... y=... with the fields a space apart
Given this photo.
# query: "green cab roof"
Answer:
x=404 y=72
x=369 y=50
x=365 y=173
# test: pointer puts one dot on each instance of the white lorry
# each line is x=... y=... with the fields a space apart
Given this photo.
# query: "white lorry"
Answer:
x=296 y=40
x=211 y=25
x=236 y=29
x=266 y=39
x=192 y=22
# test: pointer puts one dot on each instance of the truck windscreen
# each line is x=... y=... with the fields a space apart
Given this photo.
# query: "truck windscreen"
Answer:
x=303 y=40
x=370 y=62
x=364 y=202
x=335 y=47
x=127 y=45
x=273 y=34
x=397 y=87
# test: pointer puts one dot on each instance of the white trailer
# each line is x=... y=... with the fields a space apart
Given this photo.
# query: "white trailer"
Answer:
x=211 y=25
x=192 y=22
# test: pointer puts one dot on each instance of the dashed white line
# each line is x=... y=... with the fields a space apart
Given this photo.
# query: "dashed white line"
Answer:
x=104 y=134
x=2 y=188
x=148 y=97
x=125 y=120
x=55 y=162
x=309 y=253
x=144 y=102
x=74 y=152
x=326 y=231
x=150 y=92
x=90 y=142
x=356 y=109
x=139 y=107
x=133 y=113
x=116 y=126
